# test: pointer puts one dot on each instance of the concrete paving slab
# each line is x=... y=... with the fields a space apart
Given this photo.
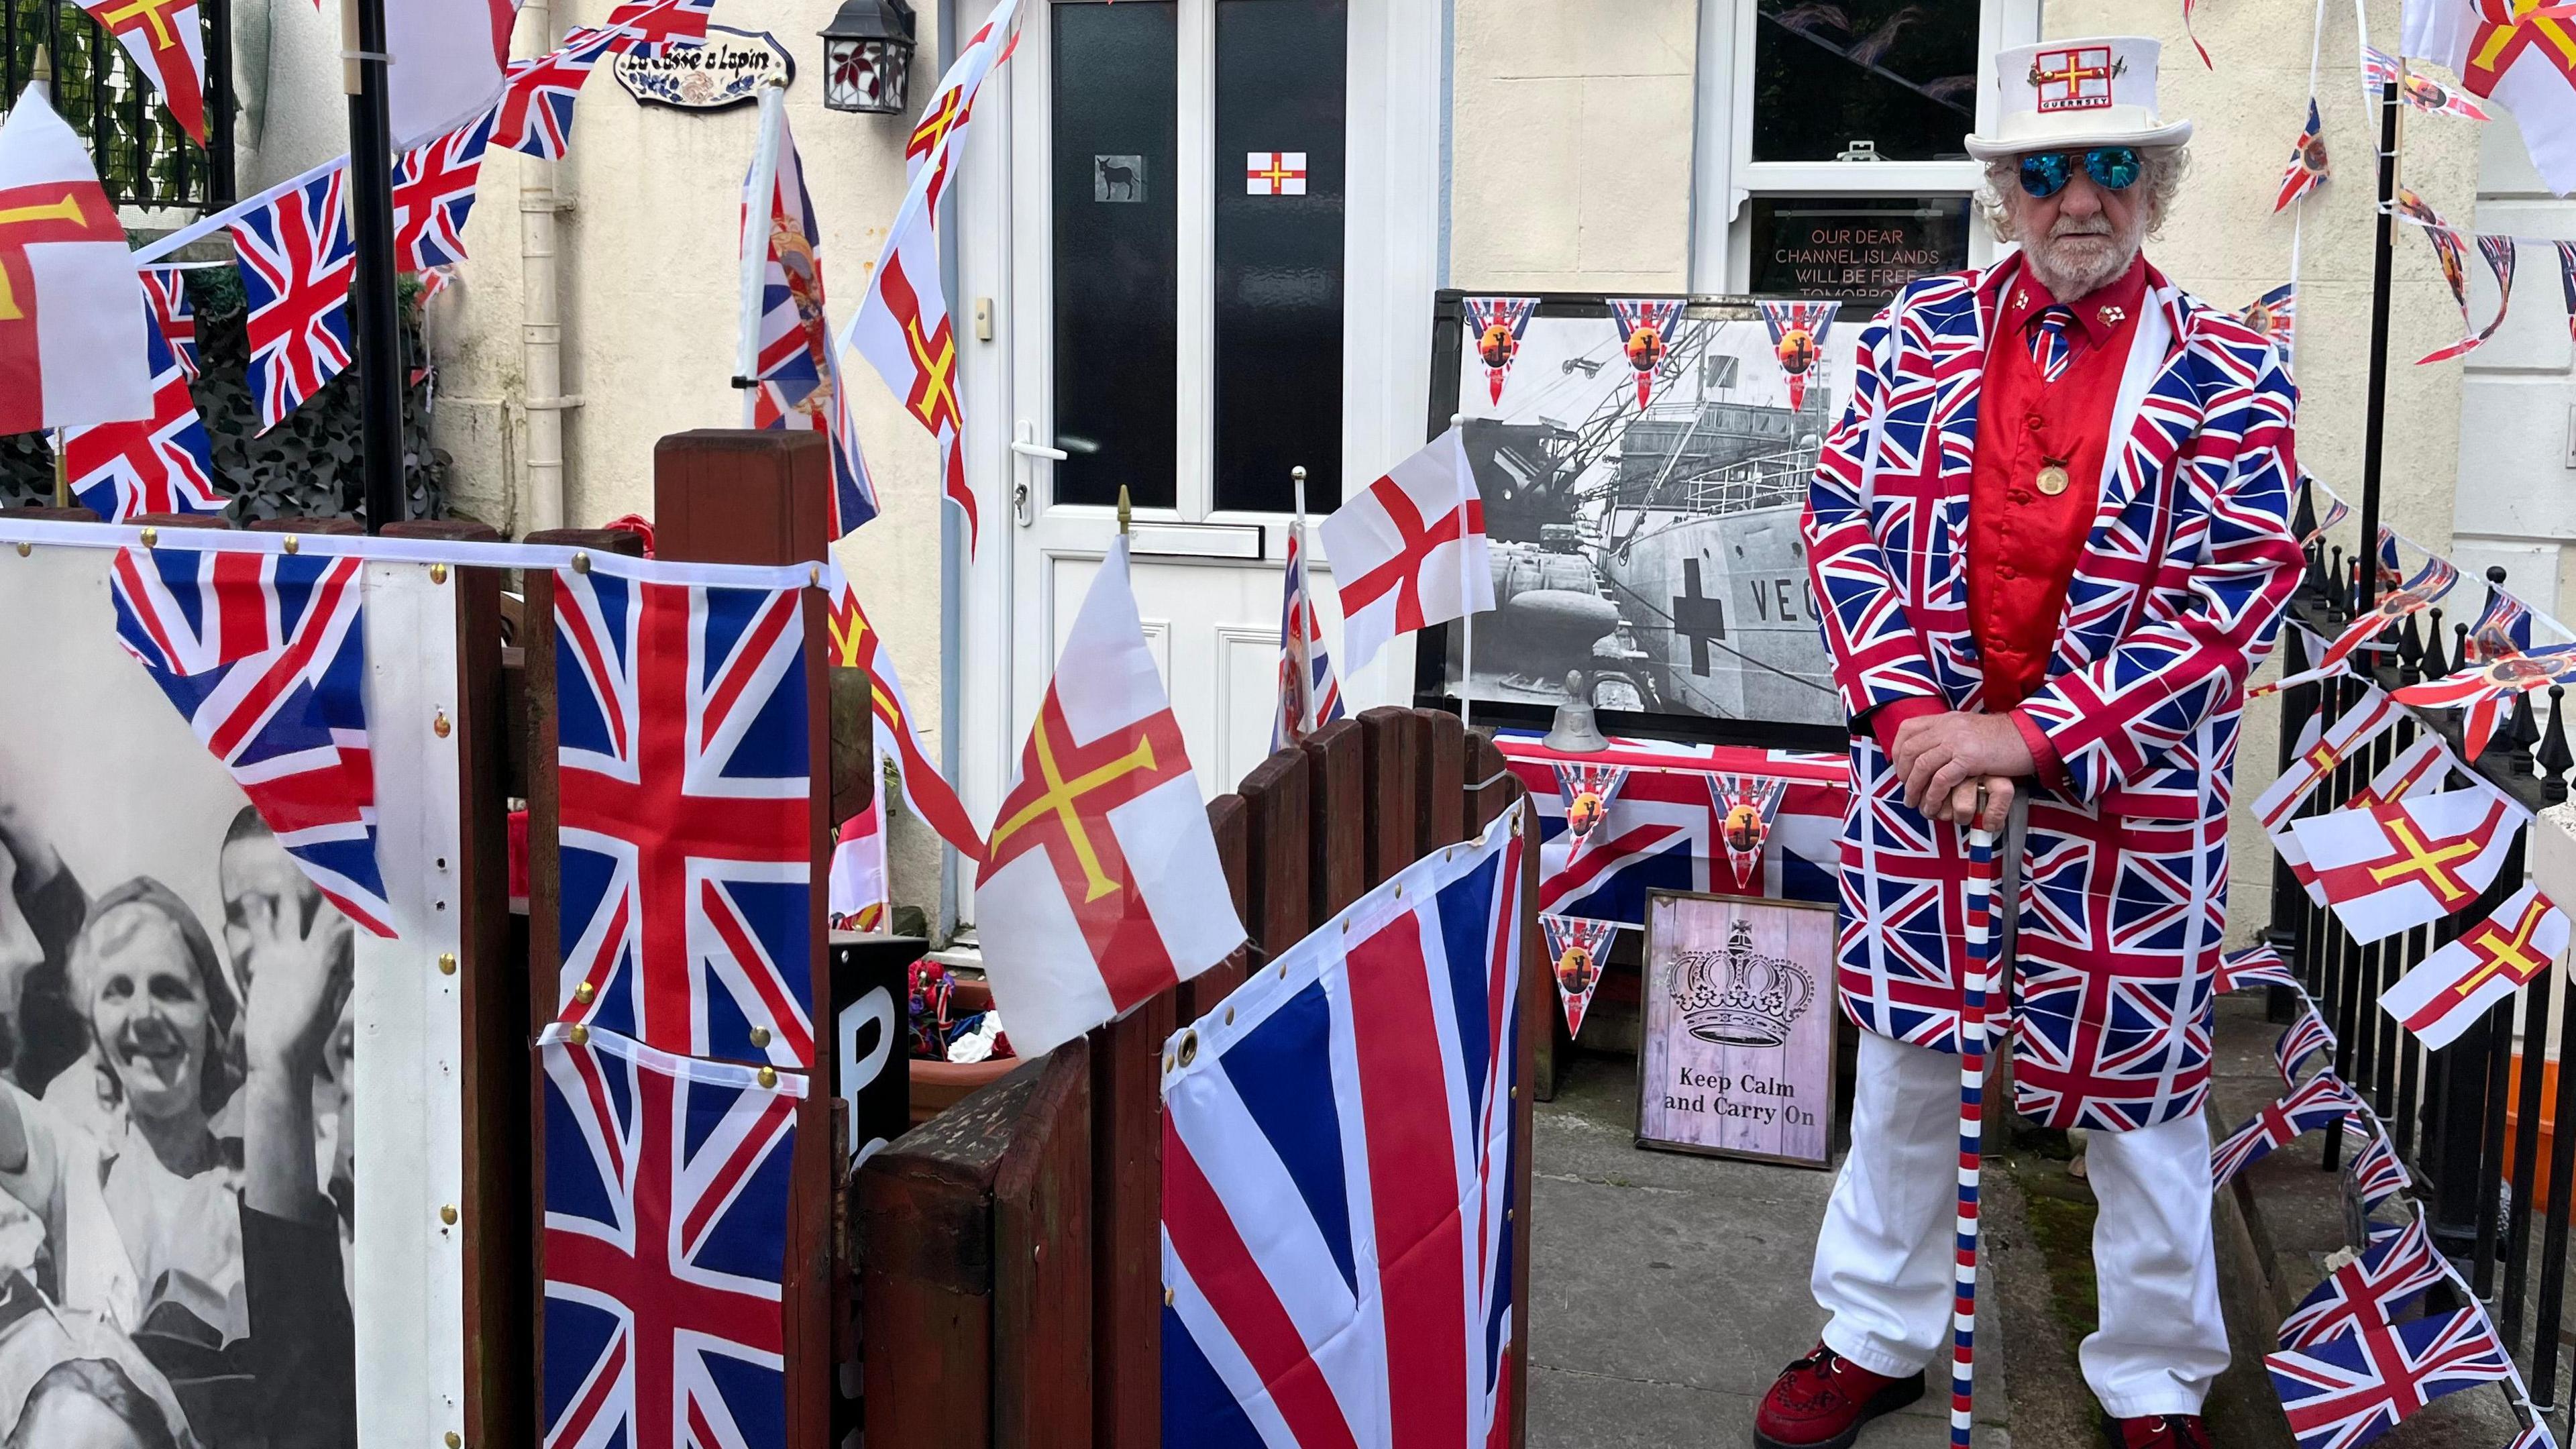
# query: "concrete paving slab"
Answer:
x=1571 y=1410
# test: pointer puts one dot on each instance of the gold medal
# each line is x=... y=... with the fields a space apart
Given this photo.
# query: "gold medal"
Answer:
x=2052 y=479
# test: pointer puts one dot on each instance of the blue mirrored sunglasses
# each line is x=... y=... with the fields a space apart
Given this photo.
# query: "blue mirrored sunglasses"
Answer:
x=2113 y=168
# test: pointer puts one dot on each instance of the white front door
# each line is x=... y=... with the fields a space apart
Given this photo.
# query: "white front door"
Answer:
x=1199 y=283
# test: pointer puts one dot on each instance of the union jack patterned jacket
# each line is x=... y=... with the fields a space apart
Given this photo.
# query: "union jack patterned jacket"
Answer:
x=2174 y=602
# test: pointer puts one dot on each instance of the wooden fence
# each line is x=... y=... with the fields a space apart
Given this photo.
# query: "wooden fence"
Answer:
x=1010 y=1248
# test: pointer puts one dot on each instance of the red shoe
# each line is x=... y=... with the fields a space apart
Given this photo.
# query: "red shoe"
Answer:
x=1821 y=1401
x=2158 y=1431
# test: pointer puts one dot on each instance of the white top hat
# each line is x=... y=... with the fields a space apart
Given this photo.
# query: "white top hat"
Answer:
x=2096 y=91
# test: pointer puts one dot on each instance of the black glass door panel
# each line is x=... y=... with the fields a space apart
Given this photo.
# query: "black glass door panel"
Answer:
x=1898 y=74
x=1281 y=99
x=1116 y=115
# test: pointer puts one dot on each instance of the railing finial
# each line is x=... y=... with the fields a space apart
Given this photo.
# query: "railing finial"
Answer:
x=2553 y=757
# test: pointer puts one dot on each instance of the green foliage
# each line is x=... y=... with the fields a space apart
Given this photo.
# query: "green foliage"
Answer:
x=307 y=466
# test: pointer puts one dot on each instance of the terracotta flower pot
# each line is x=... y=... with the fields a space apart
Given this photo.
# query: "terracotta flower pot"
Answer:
x=936 y=1086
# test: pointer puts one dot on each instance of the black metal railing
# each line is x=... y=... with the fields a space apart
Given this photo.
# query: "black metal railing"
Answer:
x=2445 y=1109
x=143 y=157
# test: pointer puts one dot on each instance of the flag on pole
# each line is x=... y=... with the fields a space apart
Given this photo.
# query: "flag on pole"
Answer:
x=2373 y=1289
x=798 y=373
x=1646 y=329
x=2308 y=167
x=2487 y=691
x=857 y=645
x=666 y=1189
x=166 y=288
x=1797 y=341
x=1409 y=551
x=71 y=335
x=2308 y=1107
x=1497 y=325
x=932 y=146
x=857 y=900
x=534 y=114
x=2404 y=863
x=162 y=464
x=443 y=67
x=167 y=42
x=1338 y=1214
x=1310 y=697
x=2347 y=1391
x=1101 y=885
x=2522 y=55
x=265 y=655
x=434 y=193
x=1574 y=947
x=296 y=261
x=2453 y=988
x=2359 y=724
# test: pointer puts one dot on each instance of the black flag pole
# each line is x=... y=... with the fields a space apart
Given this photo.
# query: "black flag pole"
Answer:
x=371 y=225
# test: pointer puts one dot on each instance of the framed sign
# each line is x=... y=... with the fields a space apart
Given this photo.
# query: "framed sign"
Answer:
x=1858 y=248
x=727 y=69
x=1642 y=497
x=1736 y=1050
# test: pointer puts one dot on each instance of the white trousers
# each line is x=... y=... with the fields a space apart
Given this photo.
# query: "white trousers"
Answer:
x=1885 y=1252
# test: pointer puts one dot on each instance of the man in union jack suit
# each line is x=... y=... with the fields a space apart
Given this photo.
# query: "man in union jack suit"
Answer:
x=2052 y=537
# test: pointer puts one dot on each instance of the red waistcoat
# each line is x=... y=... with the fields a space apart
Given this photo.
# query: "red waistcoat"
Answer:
x=2023 y=543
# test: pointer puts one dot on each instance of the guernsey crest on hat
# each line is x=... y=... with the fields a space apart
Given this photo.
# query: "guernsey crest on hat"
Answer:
x=2097 y=91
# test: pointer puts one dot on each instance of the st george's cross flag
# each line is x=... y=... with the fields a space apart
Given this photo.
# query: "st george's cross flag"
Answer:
x=688 y=833
x=1338 y=1213
x=162 y=464
x=166 y=40
x=1798 y=341
x=2502 y=50
x=1409 y=550
x=2376 y=1288
x=2422 y=768
x=2403 y=863
x=1100 y=885
x=797 y=370
x=856 y=644
x=664 y=1246
x=2307 y=1038
x=2308 y=167
x=2377 y=1174
x=857 y=899
x=265 y=656
x=2308 y=1107
x=1310 y=696
x=534 y=114
x=1646 y=327
x=2359 y=724
x=2455 y=986
x=1495 y=326
x=71 y=332
x=296 y=262
x=166 y=288
x=444 y=60
x=2485 y=692
x=434 y=187
x=2348 y=1390
x=1574 y=948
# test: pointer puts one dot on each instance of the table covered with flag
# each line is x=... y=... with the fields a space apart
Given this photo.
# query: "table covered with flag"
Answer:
x=1663 y=826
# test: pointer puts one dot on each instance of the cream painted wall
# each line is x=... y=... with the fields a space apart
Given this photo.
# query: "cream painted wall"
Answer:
x=1571 y=150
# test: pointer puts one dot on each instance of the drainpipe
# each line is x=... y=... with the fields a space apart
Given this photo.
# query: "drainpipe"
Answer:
x=540 y=321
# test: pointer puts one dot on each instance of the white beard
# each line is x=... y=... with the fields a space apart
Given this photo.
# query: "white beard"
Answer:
x=2071 y=272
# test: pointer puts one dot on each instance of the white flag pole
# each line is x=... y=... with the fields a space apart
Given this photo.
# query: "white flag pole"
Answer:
x=758 y=195
x=1304 y=684
x=1466 y=590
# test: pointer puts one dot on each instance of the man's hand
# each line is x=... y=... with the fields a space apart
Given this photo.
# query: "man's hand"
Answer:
x=1941 y=758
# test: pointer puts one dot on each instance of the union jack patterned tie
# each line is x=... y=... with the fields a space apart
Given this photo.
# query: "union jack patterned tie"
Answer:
x=2049 y=345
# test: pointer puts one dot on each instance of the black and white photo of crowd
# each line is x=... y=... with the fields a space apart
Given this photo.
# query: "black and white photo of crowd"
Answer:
x=175 y=1153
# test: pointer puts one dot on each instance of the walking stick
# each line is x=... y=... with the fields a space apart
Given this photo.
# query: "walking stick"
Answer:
x=1979 y=901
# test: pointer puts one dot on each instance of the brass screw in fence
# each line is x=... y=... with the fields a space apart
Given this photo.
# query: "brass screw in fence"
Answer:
x=760 y=1036
x=440 y=726
x=25 y=549
x=768 y=1076
x=584 y=992
x=291 y=545
x=580 y=1034
x=151 y=537
x=581 y=563
x=438 y=573
x=446 y=963
x=447 y=1214
x=455 y=1440
x=1229 y=1016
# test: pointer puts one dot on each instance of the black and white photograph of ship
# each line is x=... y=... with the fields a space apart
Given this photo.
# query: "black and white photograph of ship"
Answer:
x=1652 y=553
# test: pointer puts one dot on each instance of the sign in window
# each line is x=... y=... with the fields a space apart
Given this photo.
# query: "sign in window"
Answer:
x=1858 y=248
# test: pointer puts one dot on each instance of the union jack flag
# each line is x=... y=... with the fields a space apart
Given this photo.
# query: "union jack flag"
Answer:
x=2347 y=1391
x=655 y=28
x=2275 y=316
x=166 y=288
x=159 y=464
x=2252 y=966
x=265 y=656
x=1587 y=791
x=534 y=115
x=2307 y=1037
x=2336 y=510
x=1574 y=948
x=1746 y=806
x=1646 y=328
x=296 y=261
x=798 y=372
x=2535 y=1437
x=1798 y=340
x=665 y=1247
x=2422 y=591
x=1352 y=1285
x=2486 y=690
x=2377 y=1174
x=2567 y=281
x=1310 y=697
x=2375 y=1288
x=2308 y=168
x=2320 y=1100
x=433 y=194
x=687 y=815
x=2502 y=629
x=2378 y=68
x=1495 y=326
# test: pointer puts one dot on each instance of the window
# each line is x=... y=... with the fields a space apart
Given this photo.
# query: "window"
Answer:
x=1897 y=78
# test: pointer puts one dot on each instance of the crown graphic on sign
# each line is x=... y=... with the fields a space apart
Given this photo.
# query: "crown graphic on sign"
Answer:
x=1736 y=998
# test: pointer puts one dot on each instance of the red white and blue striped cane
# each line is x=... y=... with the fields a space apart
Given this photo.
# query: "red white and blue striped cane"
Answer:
x=1979 y=901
